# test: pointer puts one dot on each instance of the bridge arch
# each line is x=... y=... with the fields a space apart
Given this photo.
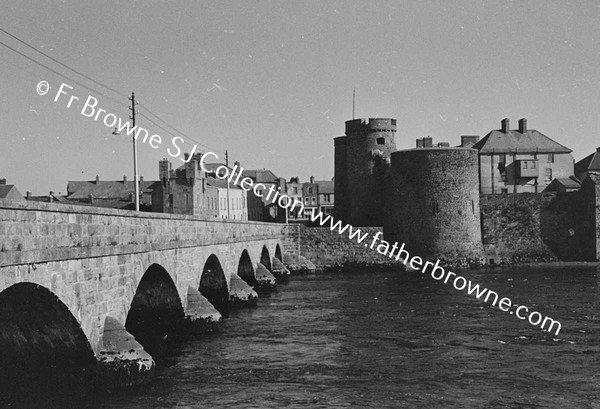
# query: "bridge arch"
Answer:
x=42 y=345
x=278 y=254
x=246 y=270
x=265 y=258
x=156 y=310
x=213 y=284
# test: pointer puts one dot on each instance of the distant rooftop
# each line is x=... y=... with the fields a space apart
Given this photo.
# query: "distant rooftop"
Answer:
x=522 y=140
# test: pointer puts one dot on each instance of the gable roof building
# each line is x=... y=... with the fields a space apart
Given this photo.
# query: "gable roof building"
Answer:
x=10 y=193
x=590 y=163
x=520 y=160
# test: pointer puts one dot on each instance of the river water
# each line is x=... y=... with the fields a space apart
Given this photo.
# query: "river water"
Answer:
x=391 y=339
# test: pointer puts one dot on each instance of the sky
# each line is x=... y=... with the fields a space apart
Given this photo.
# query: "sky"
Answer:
x=271 y=82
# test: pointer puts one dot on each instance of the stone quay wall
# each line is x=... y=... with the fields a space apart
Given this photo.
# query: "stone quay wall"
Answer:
x=329 y=249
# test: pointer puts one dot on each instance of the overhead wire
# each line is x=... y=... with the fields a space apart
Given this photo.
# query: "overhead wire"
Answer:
x=94 y=90
x=120 y=103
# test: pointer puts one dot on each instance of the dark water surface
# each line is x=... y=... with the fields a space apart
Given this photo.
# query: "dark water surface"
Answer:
x=392 y=340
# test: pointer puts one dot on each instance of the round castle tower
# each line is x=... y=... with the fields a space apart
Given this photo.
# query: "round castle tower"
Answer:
x=432 y=202
x=362 y=158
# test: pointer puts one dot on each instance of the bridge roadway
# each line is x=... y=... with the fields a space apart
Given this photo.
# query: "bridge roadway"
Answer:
x=79 y=281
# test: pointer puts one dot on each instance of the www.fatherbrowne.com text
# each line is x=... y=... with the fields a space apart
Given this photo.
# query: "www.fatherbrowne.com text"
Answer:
x=437 y=272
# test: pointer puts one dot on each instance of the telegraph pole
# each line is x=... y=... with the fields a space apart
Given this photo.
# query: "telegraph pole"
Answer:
x=135 y=164
x=227 y=164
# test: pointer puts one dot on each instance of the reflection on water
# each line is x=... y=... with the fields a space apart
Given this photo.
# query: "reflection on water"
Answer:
x=391 y=340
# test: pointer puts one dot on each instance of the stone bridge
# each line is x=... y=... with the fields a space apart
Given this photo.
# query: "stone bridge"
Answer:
x=80 y=281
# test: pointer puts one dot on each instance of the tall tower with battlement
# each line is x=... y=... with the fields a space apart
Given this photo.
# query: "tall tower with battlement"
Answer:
x=362 y=159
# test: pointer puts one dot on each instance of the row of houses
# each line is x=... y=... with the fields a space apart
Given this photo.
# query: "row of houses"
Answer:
x=189 y=189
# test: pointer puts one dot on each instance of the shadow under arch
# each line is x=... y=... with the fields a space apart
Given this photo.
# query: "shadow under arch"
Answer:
x=265 y=258
x=213 y=284
x=156 y=312
x=246 y=269
x=278 y=255
x=44 y=353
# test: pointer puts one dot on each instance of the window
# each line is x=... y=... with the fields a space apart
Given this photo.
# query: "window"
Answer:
x=504 y=191
x=525 y=164
x=310 y=190
x=295 y=190
x=503 y=176
x=380 y=141
x=550 y=158
x=533 y=165
x=187 y=199
x=548 y=175
x=502 y=158
x=306 y=201
x=314 y=199
x=327 y=198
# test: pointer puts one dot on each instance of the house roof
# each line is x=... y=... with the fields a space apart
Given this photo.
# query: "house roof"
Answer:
x=46 y=198
x=531 y=141
x=220 y=183
x=569 y=183
x=325 y=186
x=9 y=190
x=212 y=167
x=590 y=162
x=260 y=175
x=106 y=189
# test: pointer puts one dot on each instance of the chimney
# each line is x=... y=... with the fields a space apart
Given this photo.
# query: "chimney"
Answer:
x=28 y=194
x=51 y=196
x=428 y=142
x=468 y=140
x=141 y=179
x=522 y=125
x=312 y=179
x=419 y=142
x=91 y=197
x=131 y=197
x=124 y=178
x=2 y=181
x=97 y=179
x=505 y=125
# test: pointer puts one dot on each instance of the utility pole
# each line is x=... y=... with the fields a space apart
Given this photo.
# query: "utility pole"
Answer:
x=226 y=181
x=135 y=164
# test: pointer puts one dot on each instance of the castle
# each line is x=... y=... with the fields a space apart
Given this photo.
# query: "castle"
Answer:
x=431 y=197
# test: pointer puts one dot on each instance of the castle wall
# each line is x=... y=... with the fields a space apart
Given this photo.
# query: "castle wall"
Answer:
x=590 y=202
x=532 y=227
x=432 y=202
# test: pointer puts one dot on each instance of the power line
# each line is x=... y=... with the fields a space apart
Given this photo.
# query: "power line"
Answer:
x=64 y=65
x=119 y=103
x=61 y=75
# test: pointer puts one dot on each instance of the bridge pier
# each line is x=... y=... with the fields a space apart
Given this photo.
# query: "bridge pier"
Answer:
x=265 y=280
x=200 y=313
x=240 y=293
x=122 y=361
x=279 y=270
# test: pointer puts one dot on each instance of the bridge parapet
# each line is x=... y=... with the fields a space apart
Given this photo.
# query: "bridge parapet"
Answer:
x=39 y=232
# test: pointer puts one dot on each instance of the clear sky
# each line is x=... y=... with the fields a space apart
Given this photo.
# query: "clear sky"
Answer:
x=271 y=81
